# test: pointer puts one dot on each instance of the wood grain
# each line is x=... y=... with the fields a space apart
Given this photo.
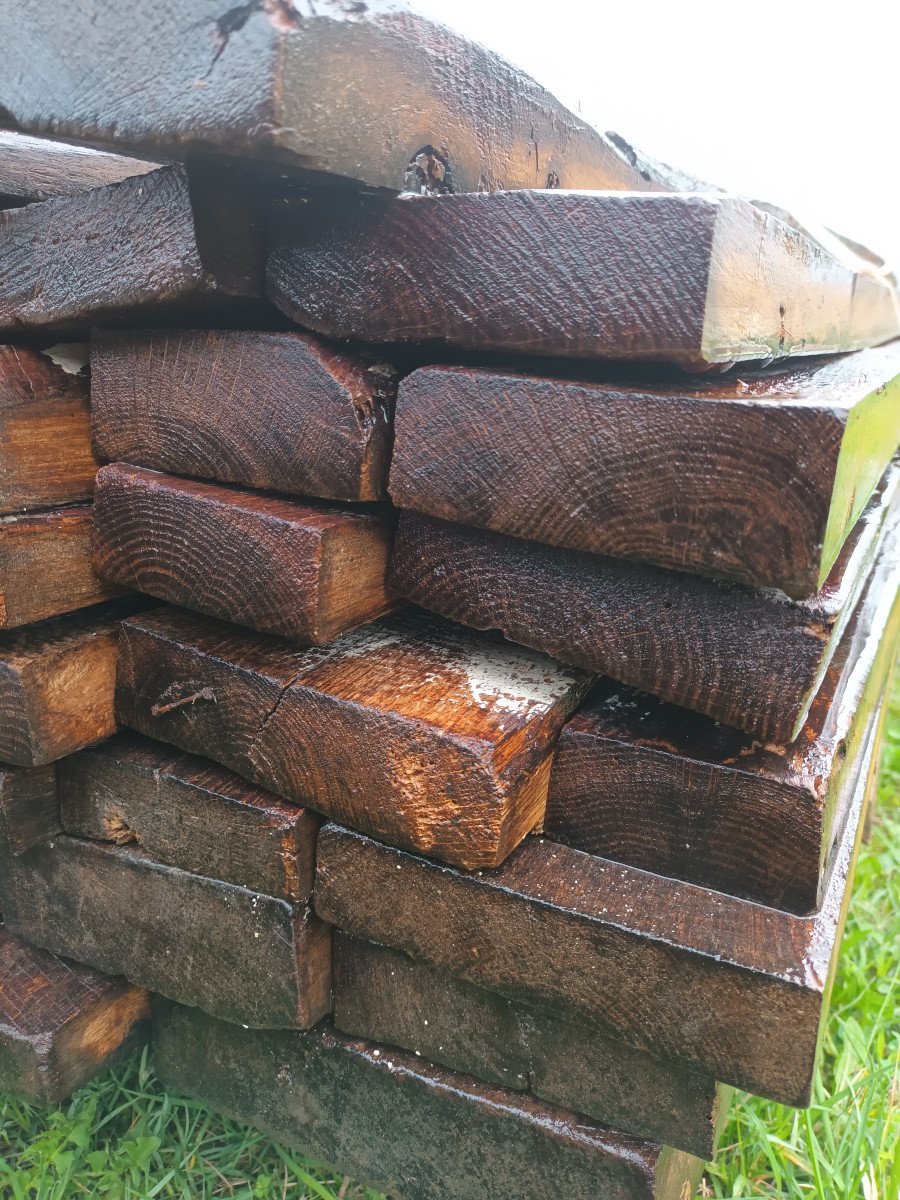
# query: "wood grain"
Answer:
x=37 y=168
x=400 y=1125
x=756 y=478
x=45 y=448
x=292 y=414
x=730 y=988
x=29 y=807
x=670 y=791
x=241 y=955
x=188 y=813
x=384 y=996
x=692 y=279
x=306 y=571
x=749 y=657
x=412 y=729
x=61 y=1023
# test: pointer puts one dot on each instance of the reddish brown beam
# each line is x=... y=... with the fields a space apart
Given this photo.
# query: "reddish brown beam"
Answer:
x=37 y=168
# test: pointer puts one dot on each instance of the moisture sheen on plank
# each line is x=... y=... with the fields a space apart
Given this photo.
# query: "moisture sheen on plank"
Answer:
x=29 y=807
x=236 y=953
x=189 y=813
x=45 y=565
x=671 y=791
x=691 y=279
x=161 y=242
x=403 y=1126
x=749 y=657
x=373 y=92
x=45 y=443
x=756 y=478
x=37 y=168
x=384 y=996
x=61 y=1023
x=731 y=988
x=306 y=571
x=291 y=414
x=416 y=731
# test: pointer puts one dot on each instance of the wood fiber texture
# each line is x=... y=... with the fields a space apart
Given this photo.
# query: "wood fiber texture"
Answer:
x=36 y=168
x=29 y=807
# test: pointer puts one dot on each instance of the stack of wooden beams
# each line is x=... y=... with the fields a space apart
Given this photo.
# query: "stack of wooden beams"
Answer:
x=490 y=780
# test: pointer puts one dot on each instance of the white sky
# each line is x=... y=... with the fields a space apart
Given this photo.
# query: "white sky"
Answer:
x=795 y=102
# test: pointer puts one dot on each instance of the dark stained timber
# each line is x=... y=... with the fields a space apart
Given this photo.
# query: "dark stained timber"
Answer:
x=412 y=729
x=731 y=988
x=400 y=1125
x=236 y=953
x=307 y=571
x=749 y=657
x=291 y=414
x=754 y=478
x=692 y=279
x=36 y=168
x=189 y=813
x=29 y=807
x=61 y=1023
x=384 y=996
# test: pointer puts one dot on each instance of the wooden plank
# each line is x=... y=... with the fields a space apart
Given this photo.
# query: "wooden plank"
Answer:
x=57 y=684
x=731 y=988
x=749 y=657
x=670 y=791
x=45 y=565
x=307 y=571
x=396 y=1123
x=37 y=168
x=29 y=807
x=61 y=1023
x=293 y=415
x=241 y=955
x=412 y=729
x=45 y=447
x=156 y=244
x=427 y=108
x=189 y=813
x=691 y=279
x=754 y=478
x=384 y=996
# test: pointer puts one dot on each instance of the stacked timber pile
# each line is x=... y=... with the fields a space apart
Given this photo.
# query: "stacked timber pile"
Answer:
x=490 y=780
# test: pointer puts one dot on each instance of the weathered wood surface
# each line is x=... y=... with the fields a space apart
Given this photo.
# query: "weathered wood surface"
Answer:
x=236 y=953
x=749 y=657
x=157 y=243
x=45 y=445
x=37 y=168
x=291 y=414
x=732 y=988
x=29 y=807
x=189 y=813
x=394 y=1122
x=45 y=565
x=411 y=729
x=671 y=791
x=384 y=996
x=691 y=279
x=373 y=92
x=754 y=478
x=61 y=1023
x=57 y=684
x=307 y=571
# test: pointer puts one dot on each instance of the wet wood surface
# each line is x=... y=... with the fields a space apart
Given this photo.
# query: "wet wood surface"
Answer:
x=57 y=684
x=671 y=791
x=756 y=478
x=691 y=279
x=29 y=807
x=748 y=657
x=400 y=1125
x=412 y=729
x=189 y=813
x=730 y=988
x=241 y=955
x=45 y=446
x=384 y=996
x=292 y=414
x=37 y=168
x=304 y=570
x=61 y=1023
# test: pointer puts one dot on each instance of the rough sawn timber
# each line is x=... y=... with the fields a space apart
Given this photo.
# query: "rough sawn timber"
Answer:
x=36 y=168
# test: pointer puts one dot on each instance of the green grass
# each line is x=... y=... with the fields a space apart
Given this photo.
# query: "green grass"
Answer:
x=123 y=1138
